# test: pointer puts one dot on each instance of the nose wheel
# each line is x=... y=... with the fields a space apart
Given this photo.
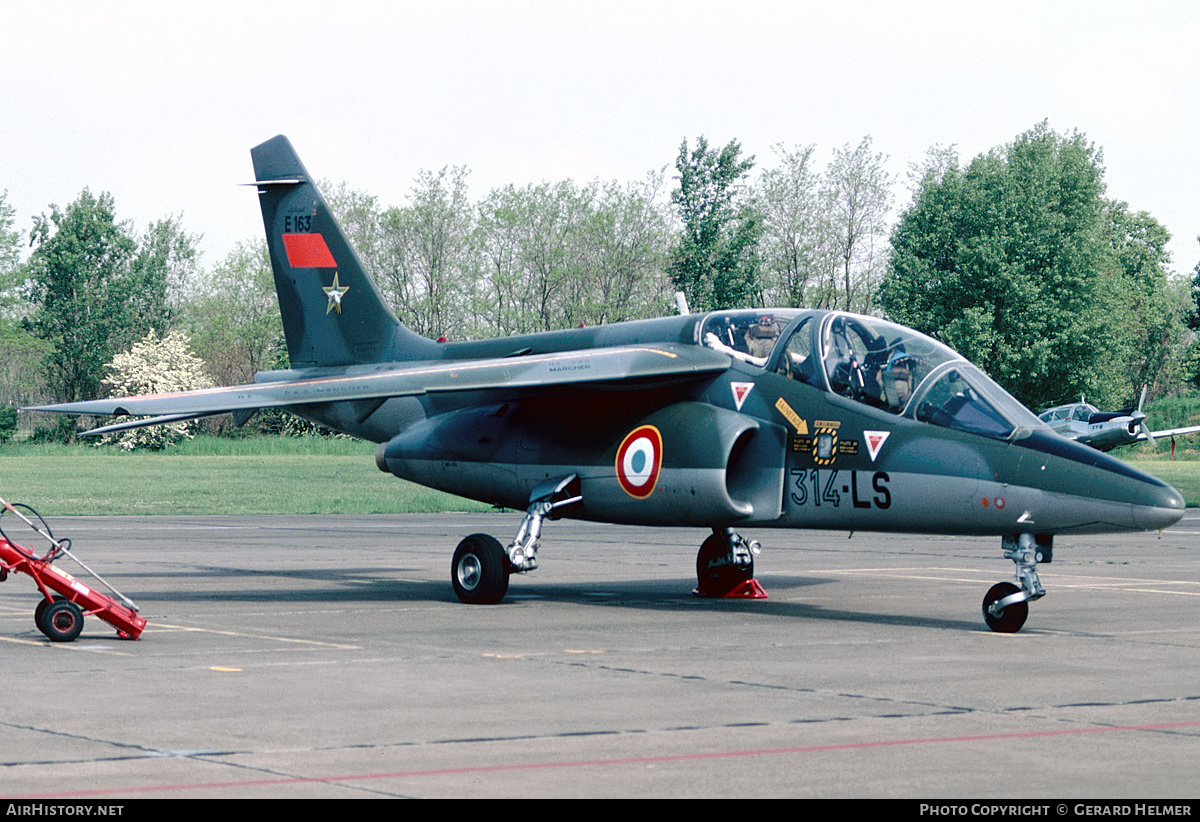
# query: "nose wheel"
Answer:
x=1004 y=619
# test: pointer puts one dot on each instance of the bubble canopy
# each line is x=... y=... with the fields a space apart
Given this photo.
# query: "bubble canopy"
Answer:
x=872 y=361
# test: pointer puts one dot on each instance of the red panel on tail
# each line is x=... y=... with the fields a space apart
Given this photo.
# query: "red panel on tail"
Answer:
x=308 y=251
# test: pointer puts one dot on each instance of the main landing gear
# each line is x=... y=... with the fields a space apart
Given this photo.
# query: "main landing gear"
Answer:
x=725 y=566
x=1006 y=606
x=480 y=569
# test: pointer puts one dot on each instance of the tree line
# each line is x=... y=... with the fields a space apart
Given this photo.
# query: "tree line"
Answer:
x=1016 y=259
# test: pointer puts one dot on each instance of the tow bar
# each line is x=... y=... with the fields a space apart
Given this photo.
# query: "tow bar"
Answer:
x=65 y=600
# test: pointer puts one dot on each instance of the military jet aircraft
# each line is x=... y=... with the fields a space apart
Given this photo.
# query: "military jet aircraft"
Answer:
x=727 y=420
x=1105 y=430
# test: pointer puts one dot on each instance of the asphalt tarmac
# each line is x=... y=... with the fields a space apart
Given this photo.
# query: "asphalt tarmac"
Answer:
x=327 y=657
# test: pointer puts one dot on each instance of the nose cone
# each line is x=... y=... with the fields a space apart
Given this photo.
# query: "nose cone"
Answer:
x=1099 y=493
x=1160 y=506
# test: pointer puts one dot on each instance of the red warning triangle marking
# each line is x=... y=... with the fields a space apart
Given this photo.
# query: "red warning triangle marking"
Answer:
x=741 y=390
x=875 y=440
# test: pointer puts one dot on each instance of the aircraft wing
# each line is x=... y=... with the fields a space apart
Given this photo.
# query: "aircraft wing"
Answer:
x=1171 y=432
x=615 y=366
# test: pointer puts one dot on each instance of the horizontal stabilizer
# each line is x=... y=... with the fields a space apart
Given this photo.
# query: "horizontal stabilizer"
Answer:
x=144 y=422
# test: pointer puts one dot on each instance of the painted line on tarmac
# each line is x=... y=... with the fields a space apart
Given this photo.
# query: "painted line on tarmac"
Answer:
x=242 y=634
x=1064 y=581
x=592 y=763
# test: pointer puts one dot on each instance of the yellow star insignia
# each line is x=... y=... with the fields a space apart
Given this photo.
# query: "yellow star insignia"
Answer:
x=334 y=293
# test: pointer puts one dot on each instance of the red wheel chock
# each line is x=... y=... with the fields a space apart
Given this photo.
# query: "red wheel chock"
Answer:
x=749 y=589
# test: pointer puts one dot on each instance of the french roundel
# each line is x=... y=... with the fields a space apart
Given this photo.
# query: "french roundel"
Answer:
x=638 y=461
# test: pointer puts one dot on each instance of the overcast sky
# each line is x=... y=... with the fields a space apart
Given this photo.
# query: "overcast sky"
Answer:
x=160 y=102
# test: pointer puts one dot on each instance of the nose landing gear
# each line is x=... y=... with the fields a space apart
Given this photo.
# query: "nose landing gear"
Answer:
x=1006 y=607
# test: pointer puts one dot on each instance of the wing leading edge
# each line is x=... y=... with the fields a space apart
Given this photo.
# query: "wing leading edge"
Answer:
x=616 y=365
x=1170 y=432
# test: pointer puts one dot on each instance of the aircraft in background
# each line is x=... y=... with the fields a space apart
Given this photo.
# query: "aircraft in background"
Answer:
x=1106 y=430
x=727 y=420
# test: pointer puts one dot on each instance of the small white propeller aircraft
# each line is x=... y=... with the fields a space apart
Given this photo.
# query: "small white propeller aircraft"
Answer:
x=1105 y=430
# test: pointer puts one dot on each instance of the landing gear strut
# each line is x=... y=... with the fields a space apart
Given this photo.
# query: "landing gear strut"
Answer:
x=1006 y=606
x=545 y=497
x=725 y=566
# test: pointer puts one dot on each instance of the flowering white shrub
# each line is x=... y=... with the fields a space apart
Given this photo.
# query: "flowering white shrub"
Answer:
x=152 y=366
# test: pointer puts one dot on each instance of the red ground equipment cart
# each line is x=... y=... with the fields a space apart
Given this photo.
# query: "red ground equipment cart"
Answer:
x=65 y=600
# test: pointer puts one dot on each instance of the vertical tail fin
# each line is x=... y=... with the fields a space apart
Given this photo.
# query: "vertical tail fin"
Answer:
x=333 y=313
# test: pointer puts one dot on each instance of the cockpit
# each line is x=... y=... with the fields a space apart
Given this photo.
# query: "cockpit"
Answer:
x=749 y=336
x=1083 y=412
x=871 y=361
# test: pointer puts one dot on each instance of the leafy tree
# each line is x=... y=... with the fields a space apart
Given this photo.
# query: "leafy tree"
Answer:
x=81 y=285
x=234 y=318
x=525 y=239
x=857 y=198
x=1189 y=366
x=1194 y=320
x=21 y=380
x=419 y=254
x=825 y=233
x=524 y=259
x=561 y=255
x=1019 y=262
x=164 y=271
x=794 y=254
x=622 y=243
x=430 y=242
x=716 y=261
x=10 y=257
x=155 y=365
x=1152 y=310
x=22 y=377
x=8 y=422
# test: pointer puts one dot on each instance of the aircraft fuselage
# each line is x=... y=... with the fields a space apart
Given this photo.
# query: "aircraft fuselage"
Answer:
x=752 y=447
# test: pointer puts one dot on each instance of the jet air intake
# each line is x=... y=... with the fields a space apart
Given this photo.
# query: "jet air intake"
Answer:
x=715 y=465
x=684 y=463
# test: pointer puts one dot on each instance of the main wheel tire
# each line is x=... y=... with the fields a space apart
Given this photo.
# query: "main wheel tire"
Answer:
x=61 y=621
x=1010 y=620
x=479 y=571
x=714 y=575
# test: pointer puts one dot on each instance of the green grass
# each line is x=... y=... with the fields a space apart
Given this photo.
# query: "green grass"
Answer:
x=206 y=446
x=1184 y=475
x=211 y=475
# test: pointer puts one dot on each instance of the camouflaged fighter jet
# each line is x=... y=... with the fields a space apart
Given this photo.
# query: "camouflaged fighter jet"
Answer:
x=786 y=418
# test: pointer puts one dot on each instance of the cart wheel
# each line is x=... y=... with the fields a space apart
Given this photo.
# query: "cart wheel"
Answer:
x=41 y=609
x=61 y=621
